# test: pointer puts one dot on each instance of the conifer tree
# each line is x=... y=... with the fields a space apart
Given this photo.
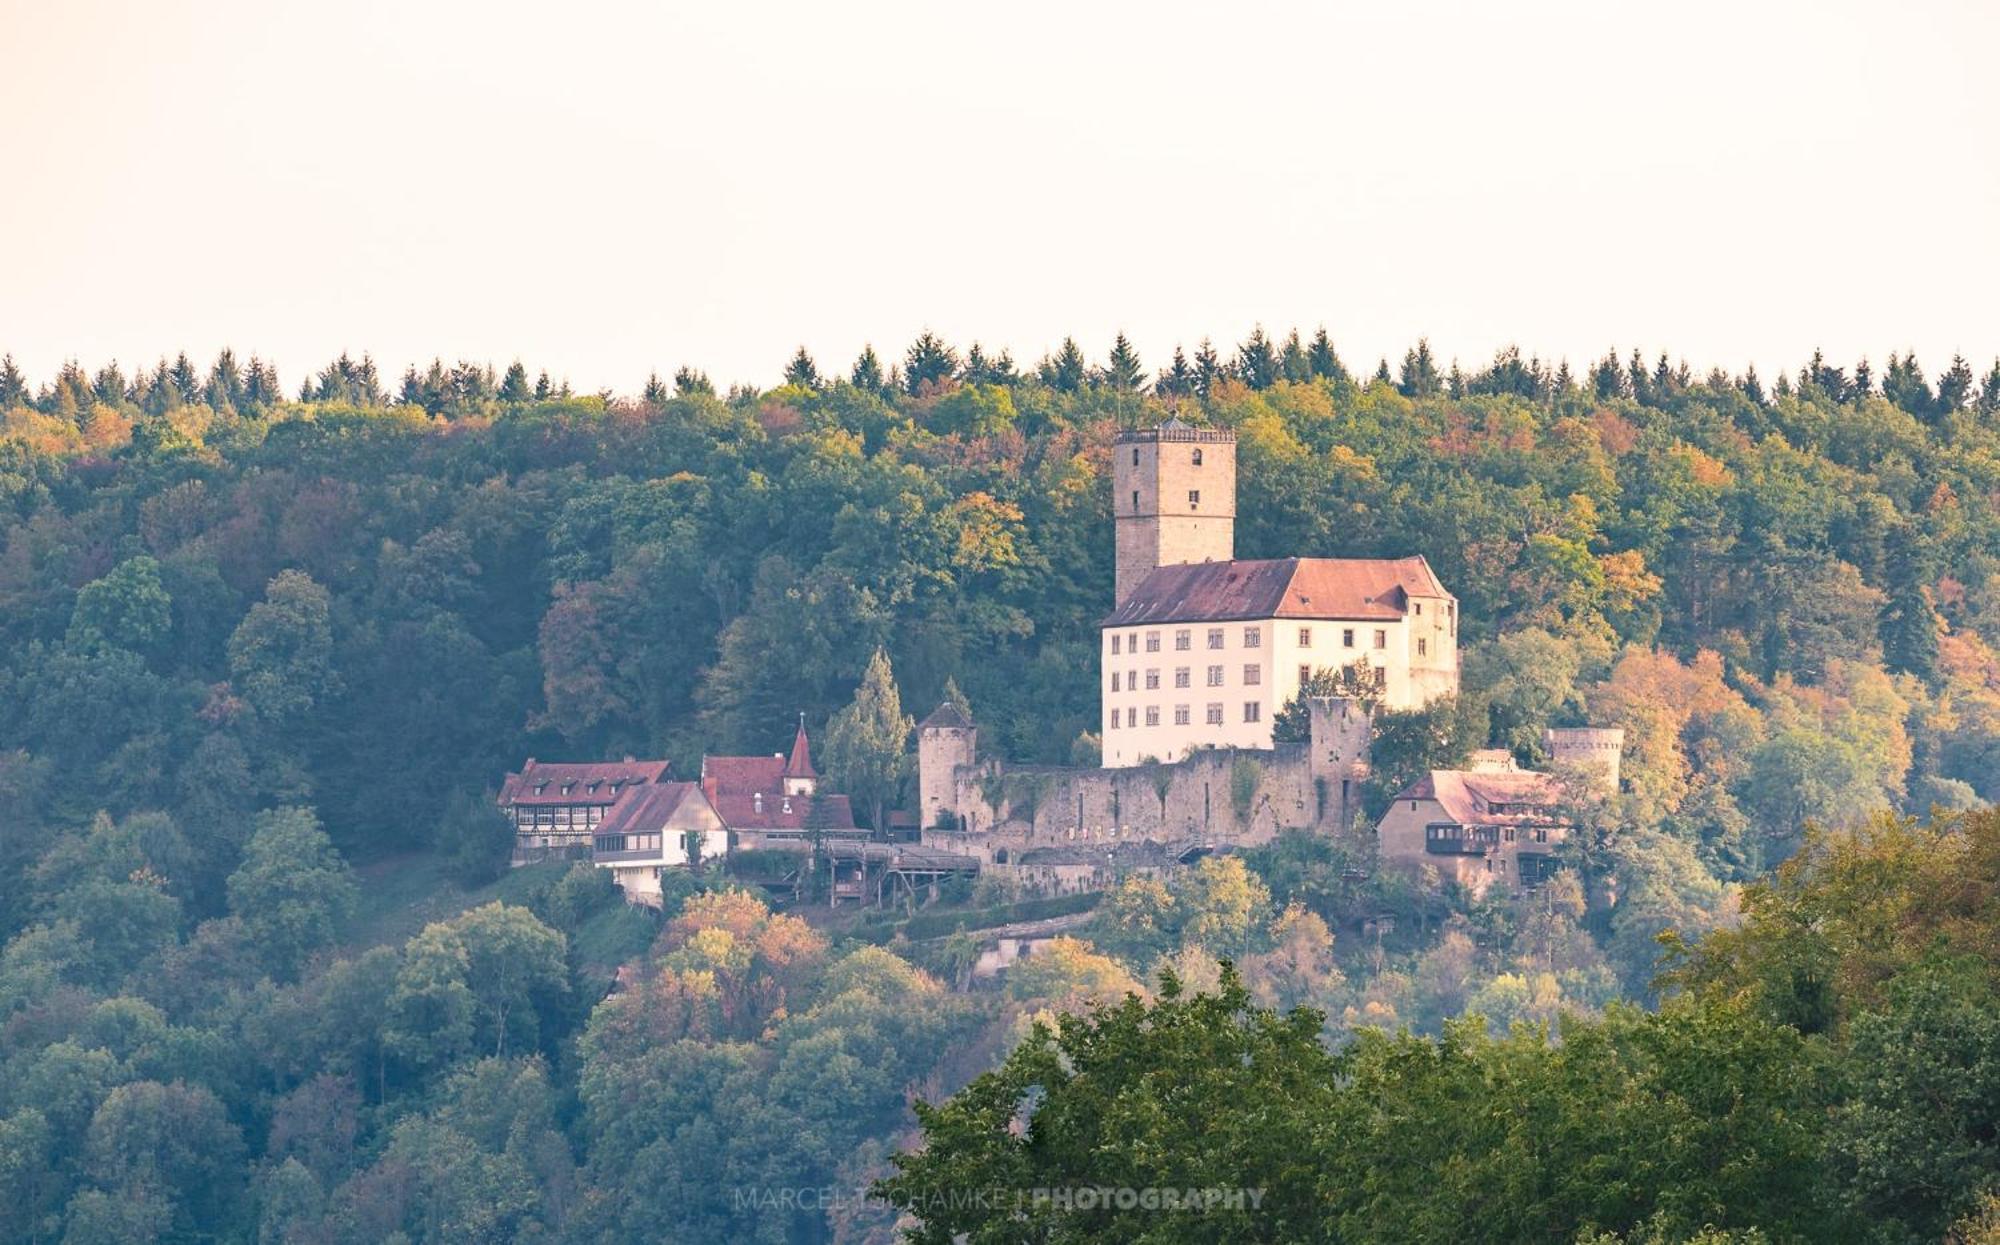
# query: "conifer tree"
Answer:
x=980 y=370
x=692 y=382
x=1910 y=622
x=655 y=393
x=1864 y=379
x=1177 y=381
x=260 y=384
x=514 y=386
x=867 y=371
x=1989 y=392
x=802 y=371
x=109 y=384
x=866 y=741
x=1292 y=362
x=1903 y=383
x=184 y=379
x=1955 y=387
x=543 y=389
x=1753 y=388
x=1420 y=377
x=928 y=365
x=1207 y=368
x=1382 y=370
x=13 y=385
x=1123 y=370
x=1256 y=361
x=225 y=382
x=1067 y=372
x=1607 y=378
x=1323 y=360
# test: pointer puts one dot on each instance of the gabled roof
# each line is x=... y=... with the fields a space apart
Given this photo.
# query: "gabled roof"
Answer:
x=1362 y=589
x=648 y=809
x=600 y=782
x=1498 y=798
x=734 y=783
x=947 y=716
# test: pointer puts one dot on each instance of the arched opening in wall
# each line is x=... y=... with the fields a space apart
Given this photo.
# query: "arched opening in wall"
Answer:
x=999 y=855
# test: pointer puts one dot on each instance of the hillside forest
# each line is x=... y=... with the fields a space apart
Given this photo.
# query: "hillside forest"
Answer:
x=266 y=651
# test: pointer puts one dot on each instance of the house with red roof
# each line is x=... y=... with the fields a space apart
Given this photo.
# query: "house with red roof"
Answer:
x=1491 y=824
x=774 y=801
x=626 y=816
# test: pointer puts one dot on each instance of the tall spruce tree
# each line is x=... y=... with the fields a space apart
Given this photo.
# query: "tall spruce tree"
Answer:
x=929 y=364
x=1420 y=378
x=802 y=371
x=867 y=372
x=692 y=382
x=1207 y=368
x=1257 y=360
x=1323 y=360
x=514 y=385
x=1177 y=380
x=13 y=385
x=1122 y=370
x=1067 y=371
x=1956 y=387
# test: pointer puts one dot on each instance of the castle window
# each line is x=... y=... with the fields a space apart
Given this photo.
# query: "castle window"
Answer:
x=1215 y=715
x=1152 y=641
x=1152 y=715
x=1183 y=640
x=1181 y=678
x=1305 y=637
x=1215 y=637
x=1420 y=609
x=1305 y=675
x=1253 y=674
x=1181 y=715
x=1423 y=647
x=1152 y=680
x=1215 y=676
x=1252 y=638
x=1131 y=717
x=1194 y=499
x=1347 y=637
x=1116 y=640
x=1381 y=638
x=1197 y=456
x=1252 y=711
x=1135 y=499
x=1135 y=460
x=1114 y=681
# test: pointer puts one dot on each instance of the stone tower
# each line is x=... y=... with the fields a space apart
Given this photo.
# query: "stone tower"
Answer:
x=1174 y=495
x=946 y=740
x=1587 y=748
x=1341 y=731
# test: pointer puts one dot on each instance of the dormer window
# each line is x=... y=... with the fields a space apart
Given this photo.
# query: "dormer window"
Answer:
x=614 y=788
x=757 y=803
x=788 y=804
x=566 y=787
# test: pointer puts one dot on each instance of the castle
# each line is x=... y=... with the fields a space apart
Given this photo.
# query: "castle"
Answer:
x=1198 y=656
x=1202 y=649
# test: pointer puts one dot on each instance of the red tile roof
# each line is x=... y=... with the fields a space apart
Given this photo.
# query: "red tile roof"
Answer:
x=801 y=764
x=601 y=782
x=1473 y=798
x=1365 y=589
x=734 y=783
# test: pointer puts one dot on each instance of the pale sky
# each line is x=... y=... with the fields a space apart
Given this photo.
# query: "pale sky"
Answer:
x=604 y=189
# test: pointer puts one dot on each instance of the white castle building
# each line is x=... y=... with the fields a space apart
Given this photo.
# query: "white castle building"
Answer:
x=1203 y=649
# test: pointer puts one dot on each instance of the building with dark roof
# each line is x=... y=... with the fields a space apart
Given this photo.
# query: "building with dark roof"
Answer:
x=626 y=816
x=1202 y=649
